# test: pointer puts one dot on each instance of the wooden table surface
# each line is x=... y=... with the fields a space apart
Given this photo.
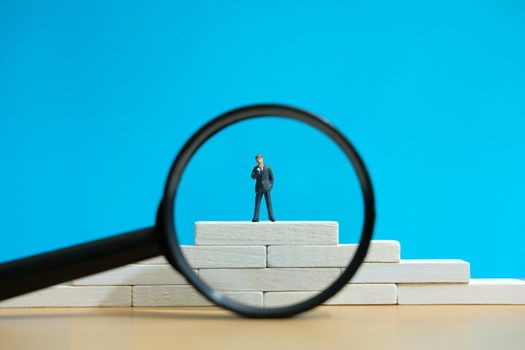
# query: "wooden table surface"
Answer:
x=326 y=327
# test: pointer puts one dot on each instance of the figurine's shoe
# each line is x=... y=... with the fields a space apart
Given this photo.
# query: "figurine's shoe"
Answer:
x=255 y=220
x=272 y=219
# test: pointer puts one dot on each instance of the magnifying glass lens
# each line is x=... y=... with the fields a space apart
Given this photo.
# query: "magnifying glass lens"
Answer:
x=269 y=213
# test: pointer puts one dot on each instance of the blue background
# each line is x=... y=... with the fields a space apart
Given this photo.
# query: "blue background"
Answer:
x=97 y=97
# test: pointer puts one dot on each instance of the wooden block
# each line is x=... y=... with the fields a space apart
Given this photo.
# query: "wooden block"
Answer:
x=202 y=257
x=158 y=260
x=269 y=279
x=414 y=271
x=477 y=291
x=365 y=294
x=72 y=296
x=173 y=295
x=351 y=294
x=266 y=232
x=330 y=255
x=134 y=274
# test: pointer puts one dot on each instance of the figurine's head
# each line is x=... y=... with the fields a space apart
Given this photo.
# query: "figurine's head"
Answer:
x=259 y=158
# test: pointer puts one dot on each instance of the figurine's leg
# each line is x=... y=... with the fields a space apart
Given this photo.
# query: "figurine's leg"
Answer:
x=268 y=200
x=258 y=197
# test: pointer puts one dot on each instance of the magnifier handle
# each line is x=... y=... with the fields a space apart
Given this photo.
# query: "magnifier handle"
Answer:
x=47 y=269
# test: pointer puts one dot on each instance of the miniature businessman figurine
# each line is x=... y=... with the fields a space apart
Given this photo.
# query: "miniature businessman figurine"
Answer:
x=263 y=175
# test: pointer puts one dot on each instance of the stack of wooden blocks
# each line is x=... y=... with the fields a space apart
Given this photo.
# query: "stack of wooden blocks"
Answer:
x=269 y=264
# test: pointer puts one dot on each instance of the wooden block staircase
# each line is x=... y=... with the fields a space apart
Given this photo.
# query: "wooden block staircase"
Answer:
x=269 y=264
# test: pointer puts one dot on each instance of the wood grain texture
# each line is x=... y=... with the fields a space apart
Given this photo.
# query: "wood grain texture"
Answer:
x=173 y=295
x=270 y=279
x=266 y=233
x=134 y=274
x=71 y=296
x=219 y=257
x=330 y=255
x=352 y=294
x=414 y=271
x=477 y=291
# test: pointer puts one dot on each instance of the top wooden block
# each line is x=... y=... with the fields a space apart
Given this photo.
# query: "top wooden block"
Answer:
x=266 y=232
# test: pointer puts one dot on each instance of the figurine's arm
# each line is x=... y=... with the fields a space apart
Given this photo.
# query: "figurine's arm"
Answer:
x=270 y=175
x=255 y=173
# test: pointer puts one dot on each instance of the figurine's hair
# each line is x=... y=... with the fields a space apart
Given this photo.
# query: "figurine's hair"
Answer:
x=258 y=156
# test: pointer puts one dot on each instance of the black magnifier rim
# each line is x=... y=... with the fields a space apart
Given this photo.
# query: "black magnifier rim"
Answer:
x=166 y=213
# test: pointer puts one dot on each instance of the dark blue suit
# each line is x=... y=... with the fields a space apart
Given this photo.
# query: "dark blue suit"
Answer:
x=263 y=186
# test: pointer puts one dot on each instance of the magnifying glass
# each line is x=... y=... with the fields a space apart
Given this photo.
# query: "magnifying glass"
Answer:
x=254 y=267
